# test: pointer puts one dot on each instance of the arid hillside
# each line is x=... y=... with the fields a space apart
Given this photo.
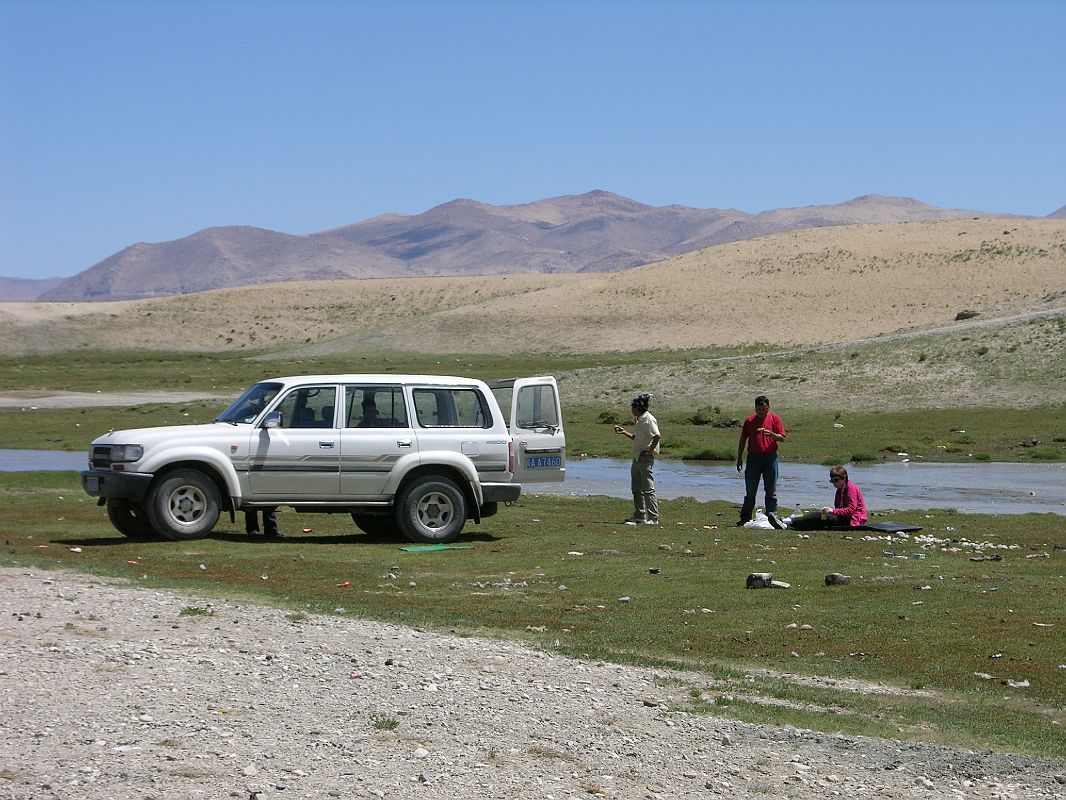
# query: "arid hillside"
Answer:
x=807 y=287
x=592 y=232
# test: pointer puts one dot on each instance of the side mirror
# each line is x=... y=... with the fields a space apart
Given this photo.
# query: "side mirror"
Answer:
x=272 y=420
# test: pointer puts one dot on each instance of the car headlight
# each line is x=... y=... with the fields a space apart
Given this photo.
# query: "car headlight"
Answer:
x=126 y=452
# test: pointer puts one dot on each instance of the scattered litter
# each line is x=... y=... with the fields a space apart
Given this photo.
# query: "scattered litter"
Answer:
x=836 y=579
x=919 y=556
x=308 y=530
x=575 y=553
x=983 y=676
x=1044 y=624
x=759 y=521
x=264 y=577
x=343 y=584
x=41 y=546
x=837 y=425
x=356 y=675
x=75 y=549
x=624 y=599
x=1038 y=555
x=134 y=563
x=902 y=455
x=656 y=571
x=1016 y=684
x=203 y=566
x=986 y=558
x=996 y=655
x=426 y=548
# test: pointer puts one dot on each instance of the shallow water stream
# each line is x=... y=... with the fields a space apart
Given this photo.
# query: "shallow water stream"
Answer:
x=984 y=488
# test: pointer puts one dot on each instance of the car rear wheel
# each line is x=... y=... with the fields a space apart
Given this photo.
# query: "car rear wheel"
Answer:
x=432 y=510
x=130 y=519
x=184 y=505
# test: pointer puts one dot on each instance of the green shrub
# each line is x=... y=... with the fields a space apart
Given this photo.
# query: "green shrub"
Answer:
x=858 y=458
x=1045 y=453
x=707 y=415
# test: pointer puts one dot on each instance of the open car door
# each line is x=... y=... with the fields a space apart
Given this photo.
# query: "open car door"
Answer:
x=535 y=420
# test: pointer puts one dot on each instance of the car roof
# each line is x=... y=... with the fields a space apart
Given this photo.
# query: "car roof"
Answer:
x=435 y=380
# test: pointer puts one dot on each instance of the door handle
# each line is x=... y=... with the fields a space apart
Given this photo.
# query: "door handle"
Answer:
x=403 y=442
x=325 y=443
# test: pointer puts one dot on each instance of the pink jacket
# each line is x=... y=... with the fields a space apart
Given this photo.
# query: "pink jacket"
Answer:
x=849 y=503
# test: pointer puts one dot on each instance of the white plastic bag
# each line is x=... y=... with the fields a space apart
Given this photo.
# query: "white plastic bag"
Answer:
x=759 y=521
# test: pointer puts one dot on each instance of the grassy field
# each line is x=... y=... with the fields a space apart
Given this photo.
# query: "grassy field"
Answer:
x=923 y=648
x=919 y=648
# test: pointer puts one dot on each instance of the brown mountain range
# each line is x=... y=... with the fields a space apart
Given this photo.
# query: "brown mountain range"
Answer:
x=593 y=232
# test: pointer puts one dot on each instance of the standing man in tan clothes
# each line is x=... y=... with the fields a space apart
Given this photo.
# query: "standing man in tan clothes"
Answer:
x=645 y=438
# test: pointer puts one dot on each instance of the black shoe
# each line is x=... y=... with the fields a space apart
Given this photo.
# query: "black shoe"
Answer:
x=775 y=521
x=742 y=522
x=273 y=535
x=253 y=533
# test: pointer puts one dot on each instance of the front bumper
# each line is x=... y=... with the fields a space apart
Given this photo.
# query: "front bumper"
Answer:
x=107 y=484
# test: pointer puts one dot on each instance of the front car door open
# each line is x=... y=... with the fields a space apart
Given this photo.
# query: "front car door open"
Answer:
x=535 y=421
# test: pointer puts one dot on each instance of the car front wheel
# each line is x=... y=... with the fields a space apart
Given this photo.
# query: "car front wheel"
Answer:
x=432 y=510
x=184 y=505
x=129 y=519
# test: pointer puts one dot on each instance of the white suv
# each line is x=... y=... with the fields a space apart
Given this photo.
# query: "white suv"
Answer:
x=420 y=454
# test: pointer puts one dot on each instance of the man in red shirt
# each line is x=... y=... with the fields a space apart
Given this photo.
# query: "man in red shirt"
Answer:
x=761 y=431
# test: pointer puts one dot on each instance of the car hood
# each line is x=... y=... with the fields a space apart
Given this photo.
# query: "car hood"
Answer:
x=148 y=436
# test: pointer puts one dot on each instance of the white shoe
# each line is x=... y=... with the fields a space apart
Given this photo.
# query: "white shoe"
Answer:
x=651 y=522
x=634 y=521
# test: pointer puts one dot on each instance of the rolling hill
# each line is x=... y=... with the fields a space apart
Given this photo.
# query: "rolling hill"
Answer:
x=593 y=232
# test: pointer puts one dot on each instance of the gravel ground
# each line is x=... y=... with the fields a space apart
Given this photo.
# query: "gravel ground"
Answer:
x=112 y=692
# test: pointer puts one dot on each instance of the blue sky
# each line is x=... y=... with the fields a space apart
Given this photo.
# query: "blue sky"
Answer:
x=147 y=121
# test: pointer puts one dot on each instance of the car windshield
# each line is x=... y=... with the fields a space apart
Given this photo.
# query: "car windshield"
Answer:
x=250 y=404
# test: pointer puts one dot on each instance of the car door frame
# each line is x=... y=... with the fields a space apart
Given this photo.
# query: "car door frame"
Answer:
x=540 y=451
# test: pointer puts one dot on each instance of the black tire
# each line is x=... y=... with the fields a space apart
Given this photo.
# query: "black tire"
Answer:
x=130 y=519
x=432 y=510
x=184 y=505
x=375 y=524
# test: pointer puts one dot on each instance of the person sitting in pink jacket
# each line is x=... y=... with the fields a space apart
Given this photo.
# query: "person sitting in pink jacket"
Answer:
x=848 y=509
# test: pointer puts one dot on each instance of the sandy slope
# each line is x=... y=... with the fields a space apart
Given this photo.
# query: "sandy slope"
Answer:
x=807 y=287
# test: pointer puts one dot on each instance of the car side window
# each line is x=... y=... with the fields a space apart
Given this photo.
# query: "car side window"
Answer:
x=451 y=408
x=309 y=407
x=374 y=407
